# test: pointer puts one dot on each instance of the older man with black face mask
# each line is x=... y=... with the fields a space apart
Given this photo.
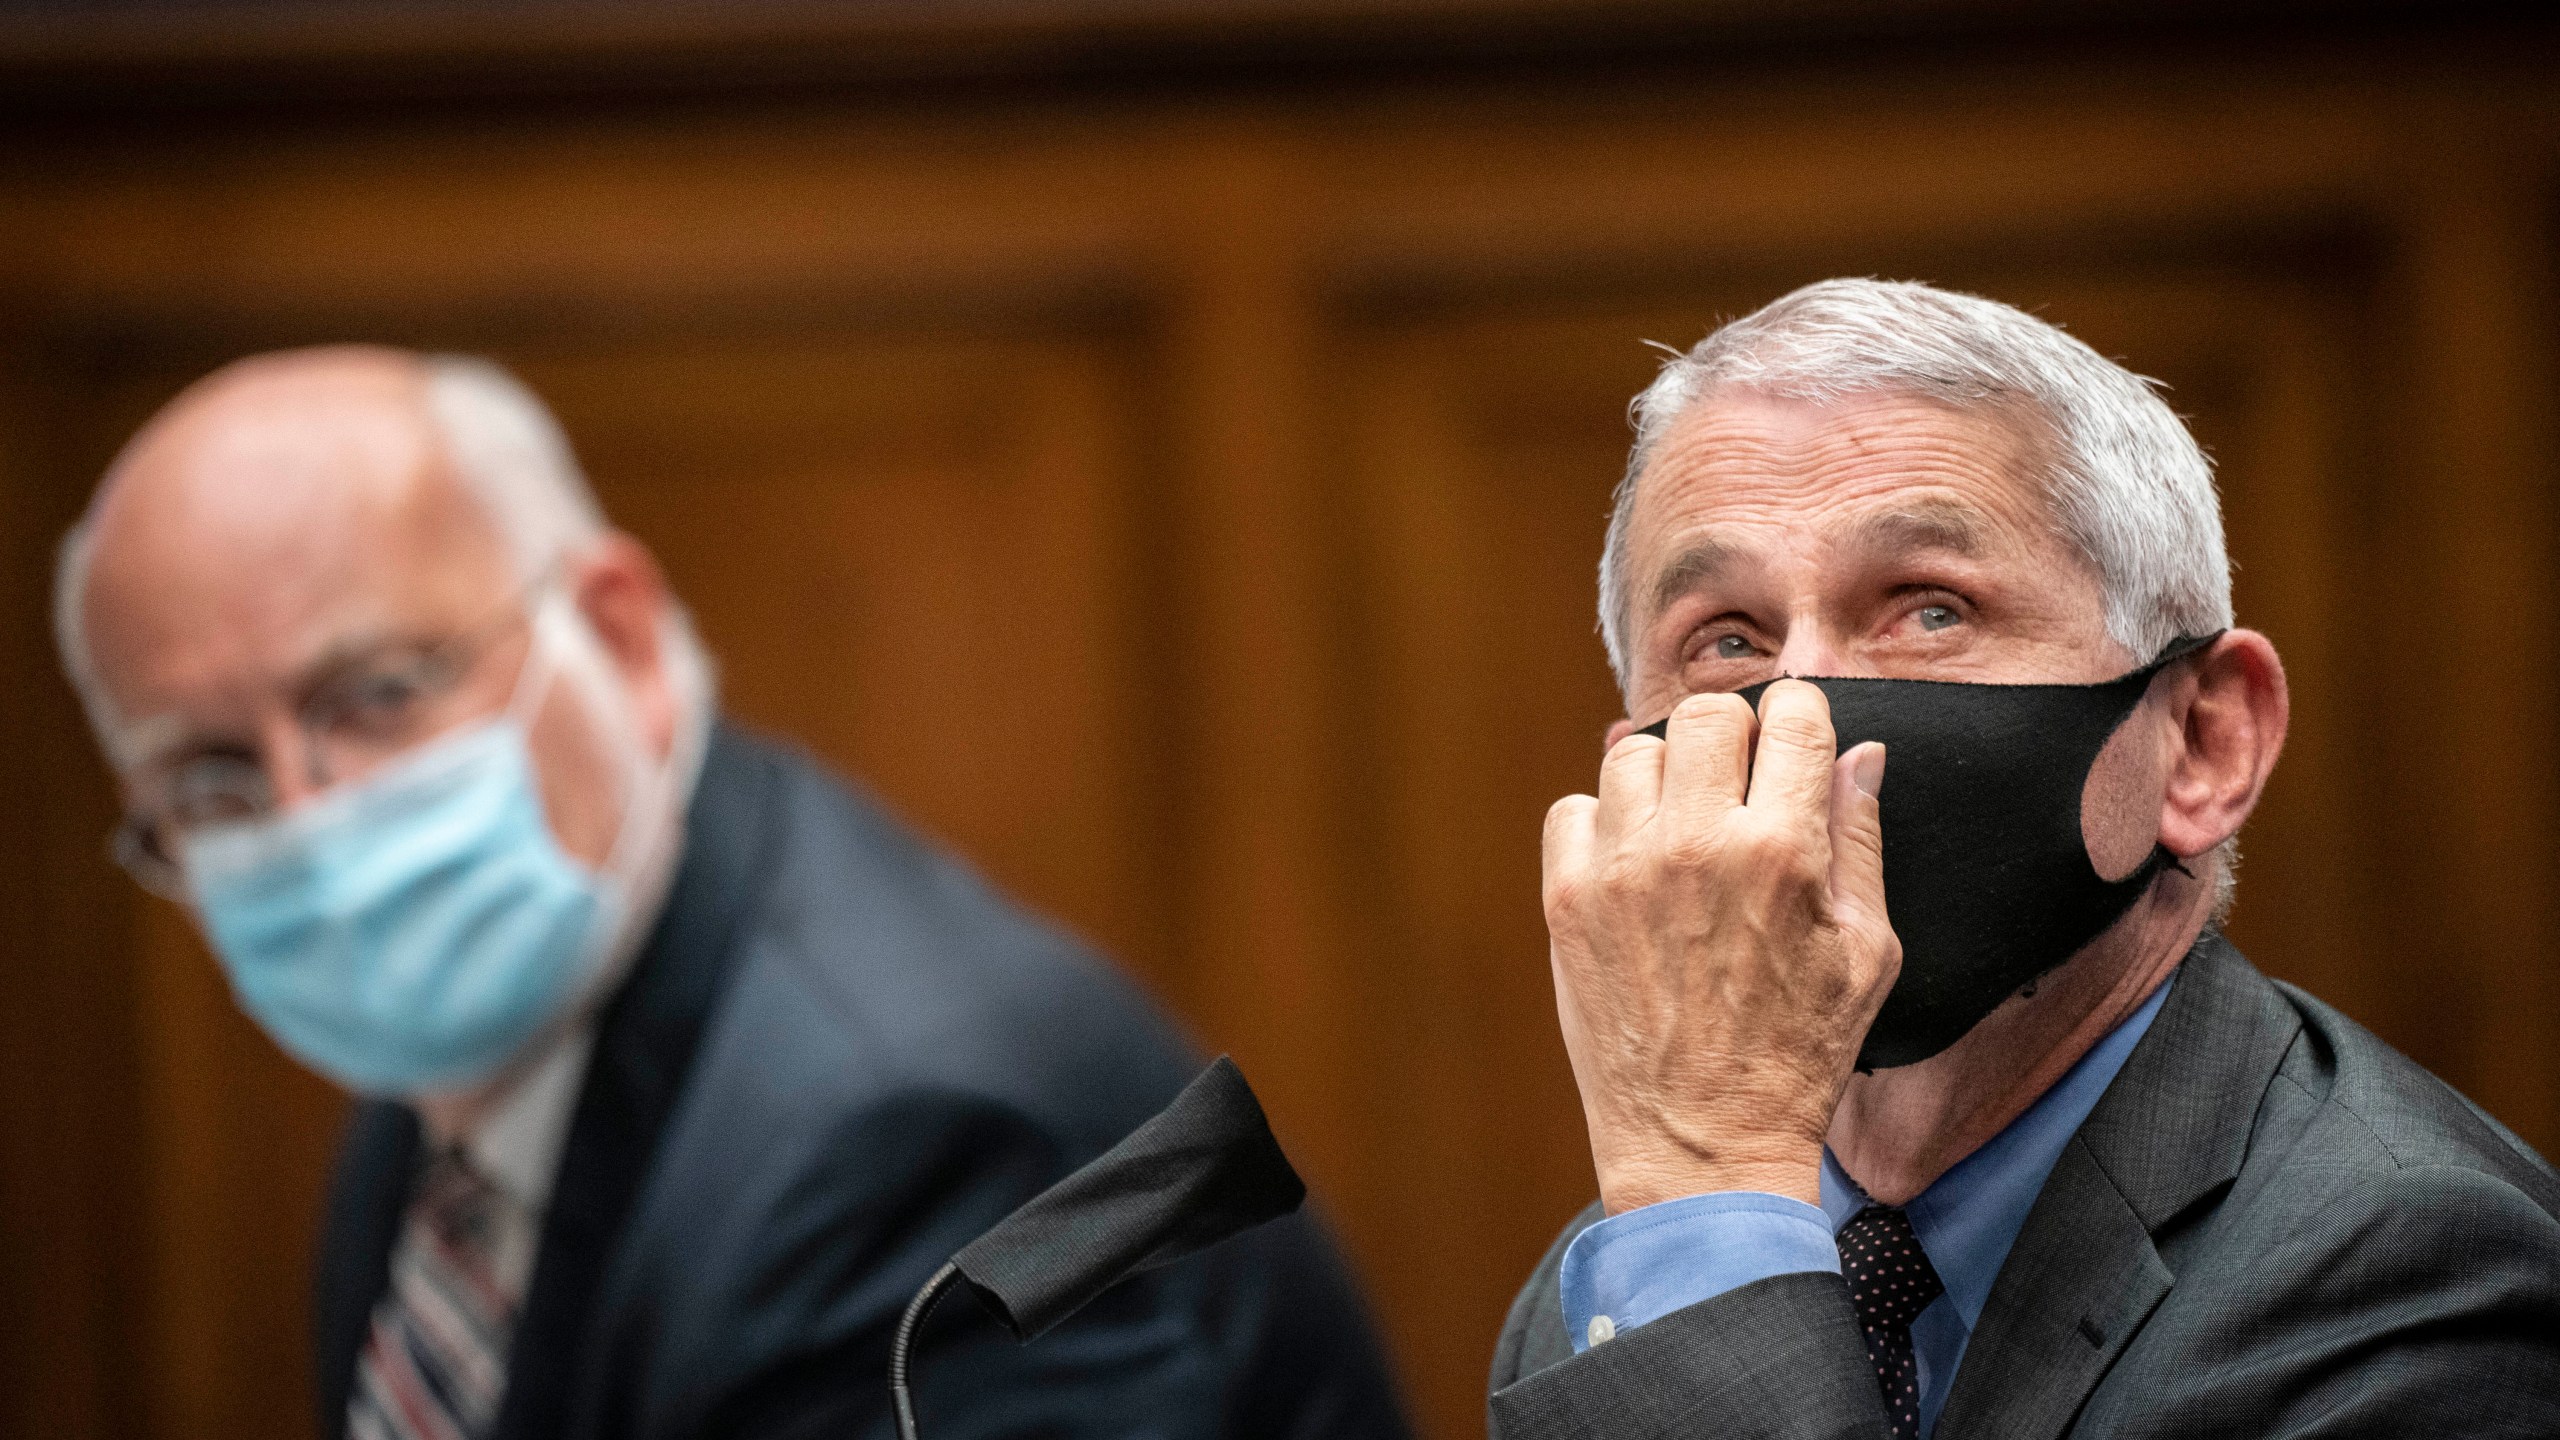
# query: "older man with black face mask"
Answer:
x=682 y=1066
x=1925 y=1095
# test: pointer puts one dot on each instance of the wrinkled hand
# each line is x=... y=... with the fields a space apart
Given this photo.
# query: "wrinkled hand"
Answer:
x=1717 y=928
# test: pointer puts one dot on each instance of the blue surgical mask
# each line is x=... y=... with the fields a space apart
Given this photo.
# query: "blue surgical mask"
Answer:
x=410 y=931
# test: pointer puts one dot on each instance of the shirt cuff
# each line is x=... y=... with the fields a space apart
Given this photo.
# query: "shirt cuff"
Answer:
x=1640 y=1266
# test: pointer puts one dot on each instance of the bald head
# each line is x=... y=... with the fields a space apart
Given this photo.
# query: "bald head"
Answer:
x=286 y=523
x=314 y=565
x=283 y=506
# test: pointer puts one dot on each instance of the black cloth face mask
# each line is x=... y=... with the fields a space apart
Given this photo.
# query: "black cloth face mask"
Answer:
x=1987 y=880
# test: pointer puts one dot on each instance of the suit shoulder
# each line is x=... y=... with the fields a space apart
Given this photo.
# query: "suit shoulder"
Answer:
x=2366 y=1104
x=878 y=983
x=2366 y=1175
x=936 y=976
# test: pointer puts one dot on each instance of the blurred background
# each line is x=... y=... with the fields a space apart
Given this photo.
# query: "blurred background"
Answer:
x=1163 y=446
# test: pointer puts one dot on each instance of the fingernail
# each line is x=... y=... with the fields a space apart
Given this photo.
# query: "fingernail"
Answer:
x=1867 y=771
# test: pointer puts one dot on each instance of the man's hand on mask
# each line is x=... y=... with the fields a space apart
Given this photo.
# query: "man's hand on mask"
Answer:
x=1717 y=927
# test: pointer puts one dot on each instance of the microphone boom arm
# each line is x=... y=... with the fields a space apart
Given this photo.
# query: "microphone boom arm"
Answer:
x=908 y=1324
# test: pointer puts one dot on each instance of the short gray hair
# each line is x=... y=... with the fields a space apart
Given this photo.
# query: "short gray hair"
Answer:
x=506 y=448
x=504 y=444
x=2130 y=488
x=510 y=453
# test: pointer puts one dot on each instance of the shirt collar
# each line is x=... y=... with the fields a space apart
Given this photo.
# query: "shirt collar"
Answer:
x=1967 y=1220
x=517 y=1148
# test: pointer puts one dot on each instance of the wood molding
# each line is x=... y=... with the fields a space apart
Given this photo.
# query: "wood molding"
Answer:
x=143 y=57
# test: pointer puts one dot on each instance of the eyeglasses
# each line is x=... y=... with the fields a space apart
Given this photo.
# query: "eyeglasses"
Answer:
x=363 y=711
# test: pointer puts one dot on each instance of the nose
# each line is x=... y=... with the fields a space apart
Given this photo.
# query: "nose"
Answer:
x=1809 y=651
x=285 y=755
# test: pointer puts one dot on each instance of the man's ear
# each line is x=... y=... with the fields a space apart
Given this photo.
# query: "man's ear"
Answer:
x=2230 y=724
x=624 y=597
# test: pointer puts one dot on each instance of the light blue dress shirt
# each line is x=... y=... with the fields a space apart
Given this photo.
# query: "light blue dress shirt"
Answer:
x=1640 y=1266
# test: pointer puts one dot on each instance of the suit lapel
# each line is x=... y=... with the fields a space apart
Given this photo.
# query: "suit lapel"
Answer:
x=645 y=1043
x=2080 y=1281
x=367 y=1203
x=2086 y=1273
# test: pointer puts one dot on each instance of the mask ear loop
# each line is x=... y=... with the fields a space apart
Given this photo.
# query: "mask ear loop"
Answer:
x=558 y=645
x=541 y=659
x=551 y=627
x=644 y=812
x=556 y=625
x=2180 y=649
x=2161 y=857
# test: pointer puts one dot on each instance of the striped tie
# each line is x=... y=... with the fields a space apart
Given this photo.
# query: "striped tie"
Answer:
x=435 y=1366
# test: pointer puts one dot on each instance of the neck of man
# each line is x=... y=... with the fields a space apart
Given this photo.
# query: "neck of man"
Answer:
x=450 y=1116
x=1896 y=1131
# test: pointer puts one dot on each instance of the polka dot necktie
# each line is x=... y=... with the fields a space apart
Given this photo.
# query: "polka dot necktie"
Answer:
x=1890 y=1282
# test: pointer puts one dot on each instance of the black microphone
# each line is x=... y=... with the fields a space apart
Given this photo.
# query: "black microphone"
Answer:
x=1205 y=1168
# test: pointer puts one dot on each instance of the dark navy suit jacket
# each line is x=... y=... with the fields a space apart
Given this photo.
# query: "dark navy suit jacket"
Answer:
x=839 y=1058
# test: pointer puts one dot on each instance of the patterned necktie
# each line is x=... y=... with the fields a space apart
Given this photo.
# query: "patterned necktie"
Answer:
x=1890 y=1282
x=435 y=1365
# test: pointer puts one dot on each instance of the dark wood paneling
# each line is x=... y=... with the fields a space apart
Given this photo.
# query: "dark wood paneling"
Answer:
x=922 y=560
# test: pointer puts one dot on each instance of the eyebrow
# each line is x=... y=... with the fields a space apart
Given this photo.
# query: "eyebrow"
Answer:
x=1700 y=564
x=345 y=653
x=166 y=739
x=1930 y=525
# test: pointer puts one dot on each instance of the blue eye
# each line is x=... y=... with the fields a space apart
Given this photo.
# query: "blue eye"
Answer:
x=1937 y=617
x=1732 y=647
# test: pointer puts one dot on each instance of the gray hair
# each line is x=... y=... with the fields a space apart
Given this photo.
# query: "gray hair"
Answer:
x=504 y=445
x=508 y=451
x=2129 y=487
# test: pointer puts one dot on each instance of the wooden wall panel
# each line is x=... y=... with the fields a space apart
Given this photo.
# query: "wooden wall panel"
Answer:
x=921 y=560
x=1255 y=591
x=2470 y=505
x=1484 y=450
x=71 y=1278
x=232 y=1184
x=1187 y=509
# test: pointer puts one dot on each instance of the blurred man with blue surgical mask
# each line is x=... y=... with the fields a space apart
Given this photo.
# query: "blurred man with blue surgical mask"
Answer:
x=681 y=1065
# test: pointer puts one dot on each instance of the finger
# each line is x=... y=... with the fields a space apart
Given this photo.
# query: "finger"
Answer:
x=1791 y=772
x=1630 y=786
x=1857 y=836
x=1565 y=849
x=1706 y=763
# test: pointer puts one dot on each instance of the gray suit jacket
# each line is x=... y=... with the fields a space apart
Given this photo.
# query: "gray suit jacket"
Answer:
x=2272 y=1225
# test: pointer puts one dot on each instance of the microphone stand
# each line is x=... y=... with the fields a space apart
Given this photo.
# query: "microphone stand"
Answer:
x=899 y=1399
